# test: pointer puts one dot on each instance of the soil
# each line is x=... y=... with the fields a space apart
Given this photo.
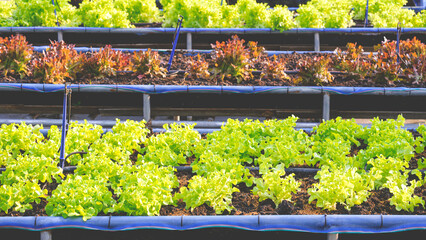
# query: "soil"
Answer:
x=180 y=63
x=246 y=203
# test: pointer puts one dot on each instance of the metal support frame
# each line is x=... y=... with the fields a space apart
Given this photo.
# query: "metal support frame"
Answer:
x=60 y=36
x=147 y=107
x=316 y=42
x=46 y=235
x=326 y=107
x=332 y=236
x=189 y=41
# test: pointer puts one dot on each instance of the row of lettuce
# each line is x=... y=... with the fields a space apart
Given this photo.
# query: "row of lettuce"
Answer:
x=208 y=14
x=129 y=171
x=233 y=60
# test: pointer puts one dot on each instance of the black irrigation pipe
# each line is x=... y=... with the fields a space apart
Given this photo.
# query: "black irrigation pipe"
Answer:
x=188 y=169
x=192 y=52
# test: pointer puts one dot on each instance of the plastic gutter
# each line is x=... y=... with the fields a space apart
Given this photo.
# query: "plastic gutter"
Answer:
x=186 y=52
x=164 y=89
x=205 y=30
x=201 y=126
x=299 y=223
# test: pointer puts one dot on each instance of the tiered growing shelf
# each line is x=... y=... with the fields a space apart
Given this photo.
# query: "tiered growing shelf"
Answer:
x=209 y=107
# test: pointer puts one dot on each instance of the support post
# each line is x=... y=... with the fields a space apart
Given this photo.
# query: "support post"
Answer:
x=332 y=236
x=46 y=235
x=60 y=36
x=316 y=42
x=326 y=107
x=189 y=41
x=146 y=107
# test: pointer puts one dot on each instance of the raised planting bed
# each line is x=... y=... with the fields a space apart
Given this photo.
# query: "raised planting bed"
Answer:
x=251 y=175
x=229 y=63
x=246 y=168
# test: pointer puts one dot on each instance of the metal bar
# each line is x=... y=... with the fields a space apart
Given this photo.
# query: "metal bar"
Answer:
x=252 y=112
x=27 y=112
x=46 y=235
x=200 y=124
x=189 y=41
x=326 y=106
x=316 y=42
x=380 y=114
x=147 y=107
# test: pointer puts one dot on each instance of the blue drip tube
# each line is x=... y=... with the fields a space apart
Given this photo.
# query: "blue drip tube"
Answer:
x=57 y=22
x=179 y=25
x=64 y=128
x=366 y=15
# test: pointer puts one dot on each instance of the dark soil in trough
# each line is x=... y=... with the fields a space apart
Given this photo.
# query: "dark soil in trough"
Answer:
x=246 y=203
x=180 y=63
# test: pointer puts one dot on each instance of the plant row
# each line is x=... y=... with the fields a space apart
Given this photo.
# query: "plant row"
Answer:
x=207 y=14
x=129 y=170
x=233 y=60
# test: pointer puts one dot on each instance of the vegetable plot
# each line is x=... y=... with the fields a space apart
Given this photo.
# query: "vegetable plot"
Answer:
x=240 y=169
x=234 y=62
